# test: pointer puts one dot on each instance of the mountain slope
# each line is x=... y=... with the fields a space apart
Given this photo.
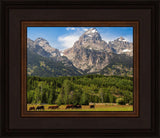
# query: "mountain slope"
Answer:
x=42 y=47
x=47 y=67
x=120 y=64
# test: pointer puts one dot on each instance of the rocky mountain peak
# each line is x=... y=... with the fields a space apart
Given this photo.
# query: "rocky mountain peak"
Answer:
x=91 y=35
x=41 y=42
x=121 y=39
x=91 y=31
x=91 y=39
x=41 y=47
x=30 y=43
x=122 y=46
x=90 y=53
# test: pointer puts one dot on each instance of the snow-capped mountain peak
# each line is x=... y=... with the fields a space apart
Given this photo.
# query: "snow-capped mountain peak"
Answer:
x=91 y=31
x=90 y=35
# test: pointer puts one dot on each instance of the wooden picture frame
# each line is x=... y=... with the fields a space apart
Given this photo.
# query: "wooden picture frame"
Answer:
x=144 y=122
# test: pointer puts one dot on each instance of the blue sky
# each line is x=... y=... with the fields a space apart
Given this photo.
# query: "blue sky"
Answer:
x=64 y=37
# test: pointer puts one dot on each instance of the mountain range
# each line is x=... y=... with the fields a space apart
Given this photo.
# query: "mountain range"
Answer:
x=89 y=55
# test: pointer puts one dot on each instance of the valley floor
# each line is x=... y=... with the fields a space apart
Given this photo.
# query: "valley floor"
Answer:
x=98 y=107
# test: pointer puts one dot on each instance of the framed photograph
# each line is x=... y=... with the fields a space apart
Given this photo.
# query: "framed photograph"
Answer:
x=76 y=68
x=84 y=73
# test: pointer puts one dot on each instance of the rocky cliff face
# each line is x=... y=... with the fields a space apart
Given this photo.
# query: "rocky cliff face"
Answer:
x=42 y=47
x=91 y=54
x=121 y=46
x=88 y=60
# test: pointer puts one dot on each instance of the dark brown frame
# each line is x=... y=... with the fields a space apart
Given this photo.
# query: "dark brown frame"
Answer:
x=134 y=24
x=146 y=12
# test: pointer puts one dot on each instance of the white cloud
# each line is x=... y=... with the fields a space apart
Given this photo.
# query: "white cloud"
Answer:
x=70 y=28
x=76 y=29
x=84 y=29
x=68 y=41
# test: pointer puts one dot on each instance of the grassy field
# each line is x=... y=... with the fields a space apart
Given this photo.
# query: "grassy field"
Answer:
x=99 y=107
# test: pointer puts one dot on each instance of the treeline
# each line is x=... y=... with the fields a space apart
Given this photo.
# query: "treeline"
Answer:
x=80 y=90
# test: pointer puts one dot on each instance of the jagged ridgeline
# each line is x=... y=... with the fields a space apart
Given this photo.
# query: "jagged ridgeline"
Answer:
x=89 y=55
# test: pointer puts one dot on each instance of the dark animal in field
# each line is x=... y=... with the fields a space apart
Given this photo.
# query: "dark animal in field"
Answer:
x=77 y=106
x=53 y=107
x=69 y=106
x=92 y=106
x=31 y=108
x=40 y=107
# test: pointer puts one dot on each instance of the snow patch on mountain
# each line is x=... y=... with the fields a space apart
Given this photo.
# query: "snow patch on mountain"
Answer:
x=126 y=50
x=61 y=53
x=91 y=31
x=90 y=35
x=122 y=40
x=94 y=30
